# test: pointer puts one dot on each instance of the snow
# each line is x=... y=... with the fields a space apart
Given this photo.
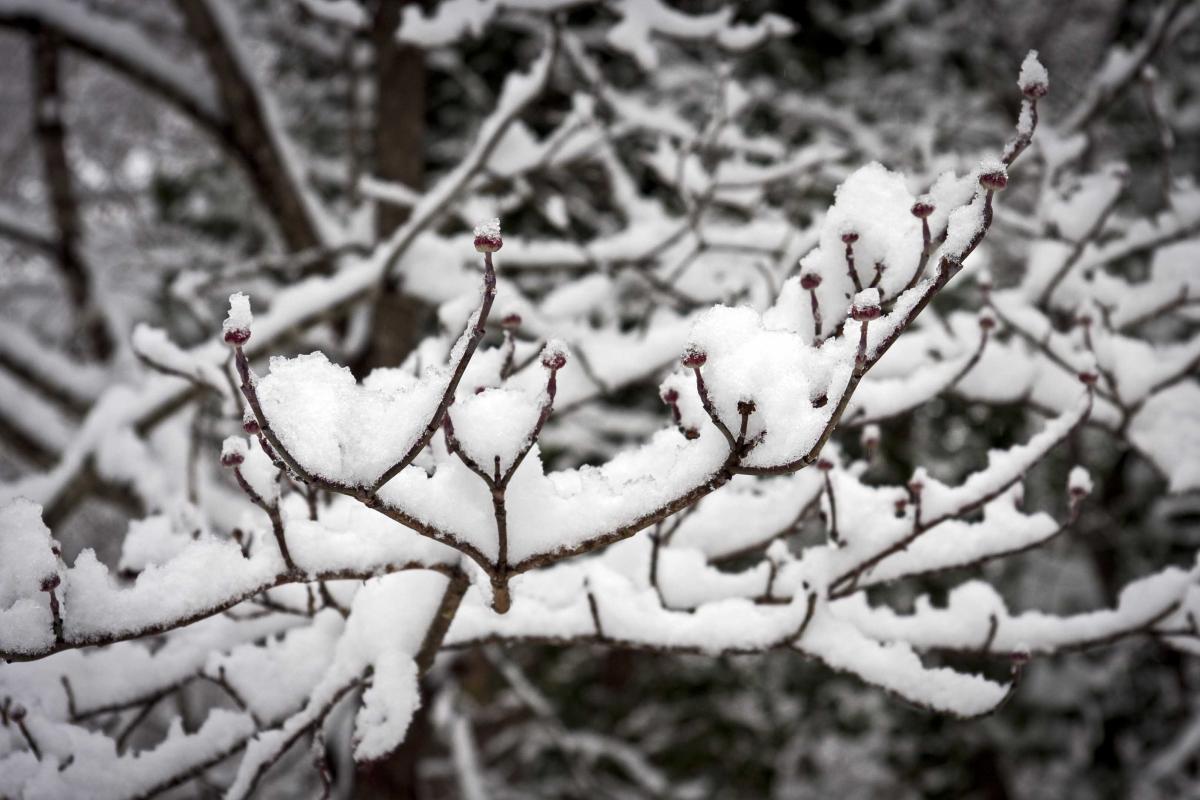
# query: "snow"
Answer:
x=881 y=396
x=202 y=577
x=259 y=470
x=991 y=166
x=895 y=667
x=294 y=669
x=750 y=361
x=340 y=429
x=964 y=622
x=955 y=543
x=687 y=581
x=962 y=226
x=1079 y=481
x=40 y=421
x=233 y=450
x=1003 y=467
x=488 y=228
x=865 y=300
x=1032 y=72
x=153 y=345
x=76 y=380
x=153 y=540
x=27 y=557
x=553 y=512
x=276 y=677
x=1078 y=207
x=1167 y=430
x=874 y=203
x=383 y=633
x=239 y=317
x=495 y=425
x=387 y=707
x=637 y=617
x=746 y=513
x=639 y=19
x=77 y=763
x=128 y=671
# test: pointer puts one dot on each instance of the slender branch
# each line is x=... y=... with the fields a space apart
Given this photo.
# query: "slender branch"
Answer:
x=826 y=467
x=99 y=639
x=435 y=634
x=473 y=339
x=300 y=731
x=138 y=719
x=1077 y=249
x=838 y=586
x=710 y=409
x=273 y=513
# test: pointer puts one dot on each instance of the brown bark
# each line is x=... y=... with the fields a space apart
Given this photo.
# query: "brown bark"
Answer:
x=397 y=143
x=67 y=247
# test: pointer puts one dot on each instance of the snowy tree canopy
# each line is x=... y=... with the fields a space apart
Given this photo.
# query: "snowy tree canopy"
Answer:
x=679 y=319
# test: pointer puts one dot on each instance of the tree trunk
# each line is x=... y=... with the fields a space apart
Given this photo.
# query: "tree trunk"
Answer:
x=398 y=156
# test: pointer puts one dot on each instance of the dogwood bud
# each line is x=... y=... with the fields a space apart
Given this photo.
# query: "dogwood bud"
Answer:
x=694 y=358
x=487 y=236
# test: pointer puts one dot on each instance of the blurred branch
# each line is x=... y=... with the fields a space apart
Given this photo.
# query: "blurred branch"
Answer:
x=49 y=103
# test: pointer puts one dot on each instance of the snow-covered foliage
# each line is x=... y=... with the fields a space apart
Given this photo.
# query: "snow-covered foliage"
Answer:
x=317 y=539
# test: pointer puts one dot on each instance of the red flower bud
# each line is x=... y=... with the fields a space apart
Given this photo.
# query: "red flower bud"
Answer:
x=824 y=464
x=51 y=583
x=810 y=281
x=487 y=237
x=922 y=209
x=250 y=425
x=488 y=244
x=1034 y=89
x=670 y=397
x=850 y=237
x=511 y=321
x=694 y=358
x=232 y=459
x=237 y=336
x=864 y=313
x=993 y=180
x=554 y=360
